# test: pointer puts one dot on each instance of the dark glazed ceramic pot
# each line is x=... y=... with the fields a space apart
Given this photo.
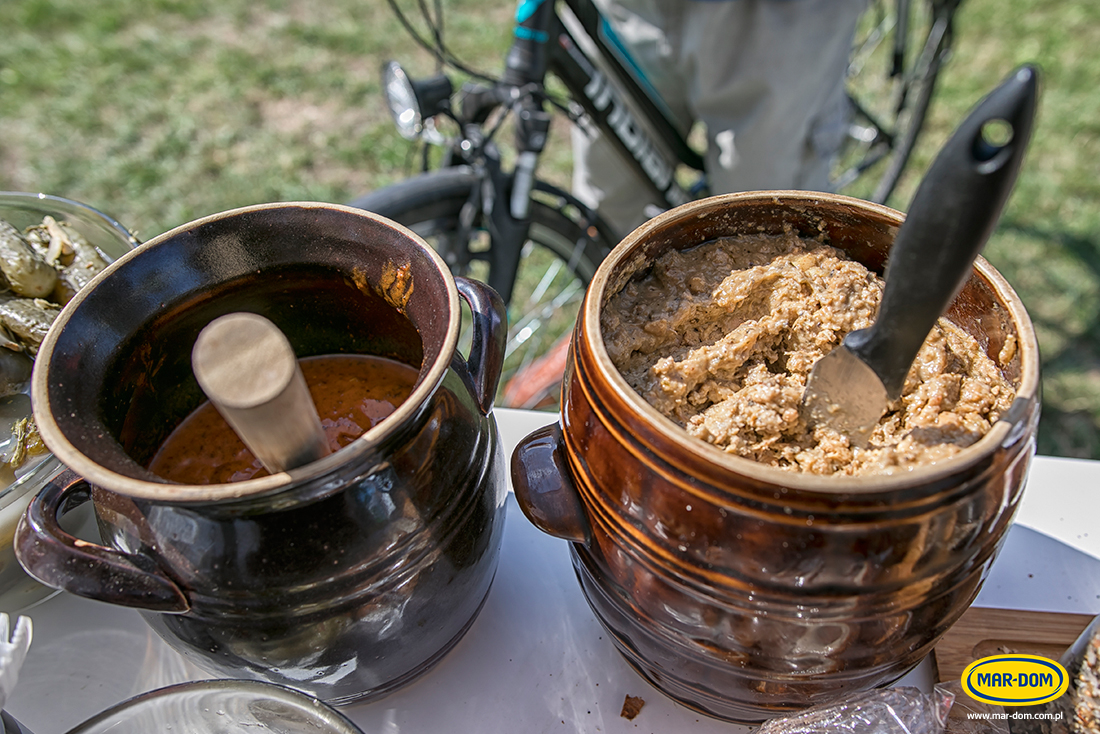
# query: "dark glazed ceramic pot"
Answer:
x=346 y=577
x=746 y=591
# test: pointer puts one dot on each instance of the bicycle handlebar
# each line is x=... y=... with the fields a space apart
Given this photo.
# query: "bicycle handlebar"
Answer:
x=478 y=102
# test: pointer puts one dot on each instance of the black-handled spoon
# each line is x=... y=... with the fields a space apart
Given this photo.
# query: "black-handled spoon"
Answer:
x=955 y=210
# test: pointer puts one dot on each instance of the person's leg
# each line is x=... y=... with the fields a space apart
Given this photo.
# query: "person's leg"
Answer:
x=765 y=76
x=768 y=82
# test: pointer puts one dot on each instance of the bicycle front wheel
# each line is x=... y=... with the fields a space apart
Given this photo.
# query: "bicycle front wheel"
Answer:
x=559 y=258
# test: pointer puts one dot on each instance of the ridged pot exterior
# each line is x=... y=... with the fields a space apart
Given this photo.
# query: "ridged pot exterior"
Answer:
x=745 y=591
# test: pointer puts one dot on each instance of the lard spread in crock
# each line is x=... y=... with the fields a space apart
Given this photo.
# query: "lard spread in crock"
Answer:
x=722 y=337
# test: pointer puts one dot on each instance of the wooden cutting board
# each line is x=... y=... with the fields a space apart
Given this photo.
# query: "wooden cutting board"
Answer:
x=984 y=631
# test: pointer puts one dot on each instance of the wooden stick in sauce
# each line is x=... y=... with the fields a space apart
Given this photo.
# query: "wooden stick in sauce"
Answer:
x=248 y=370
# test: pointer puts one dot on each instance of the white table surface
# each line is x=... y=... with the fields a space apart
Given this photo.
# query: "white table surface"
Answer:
x=536 y=659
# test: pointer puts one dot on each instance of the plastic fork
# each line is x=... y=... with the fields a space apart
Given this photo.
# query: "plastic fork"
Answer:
x=13 y=649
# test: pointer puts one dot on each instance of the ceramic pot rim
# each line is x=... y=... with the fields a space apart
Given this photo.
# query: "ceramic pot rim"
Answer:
x=99 y=475
x=1000 y=433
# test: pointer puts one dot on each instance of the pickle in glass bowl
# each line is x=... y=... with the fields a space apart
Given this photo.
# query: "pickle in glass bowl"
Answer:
x=49 y=248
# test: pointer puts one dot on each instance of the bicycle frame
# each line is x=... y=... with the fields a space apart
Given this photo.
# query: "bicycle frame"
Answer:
x=474 y=193
x=610 y=96
x=575 y=42
x=578 y=46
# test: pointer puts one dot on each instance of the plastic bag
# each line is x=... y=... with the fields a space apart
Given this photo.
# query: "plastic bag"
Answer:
x=968 y=716
x=886 y=711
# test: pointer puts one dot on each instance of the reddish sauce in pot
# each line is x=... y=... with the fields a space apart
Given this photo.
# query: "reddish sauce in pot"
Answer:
x=352 y=393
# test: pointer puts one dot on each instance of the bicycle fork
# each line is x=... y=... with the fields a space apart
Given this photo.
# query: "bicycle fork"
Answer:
x=507 y=232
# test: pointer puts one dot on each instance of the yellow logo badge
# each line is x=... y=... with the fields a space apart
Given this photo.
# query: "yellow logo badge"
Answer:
x=1015 y=680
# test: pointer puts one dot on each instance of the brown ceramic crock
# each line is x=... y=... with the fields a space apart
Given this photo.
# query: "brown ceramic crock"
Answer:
x=742 y=590
x=346 y=577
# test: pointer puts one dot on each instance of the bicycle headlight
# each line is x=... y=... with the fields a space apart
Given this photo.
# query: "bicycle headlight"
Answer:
x=401 y=98
x=413 y=102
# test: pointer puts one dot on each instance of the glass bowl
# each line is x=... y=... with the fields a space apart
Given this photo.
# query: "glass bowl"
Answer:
x=17 y=487
x=220 y=707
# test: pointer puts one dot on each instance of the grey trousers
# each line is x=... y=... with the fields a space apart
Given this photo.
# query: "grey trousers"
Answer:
x=765 y=78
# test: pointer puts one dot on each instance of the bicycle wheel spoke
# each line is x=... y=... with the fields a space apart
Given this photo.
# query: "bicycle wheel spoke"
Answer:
x=890 y=104
x=547 y=280
x=531 y=322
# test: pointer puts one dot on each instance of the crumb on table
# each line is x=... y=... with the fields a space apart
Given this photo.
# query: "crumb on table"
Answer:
x=632 y=705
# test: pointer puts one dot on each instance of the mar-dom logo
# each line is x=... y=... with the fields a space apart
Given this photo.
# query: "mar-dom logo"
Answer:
x=1015 y=680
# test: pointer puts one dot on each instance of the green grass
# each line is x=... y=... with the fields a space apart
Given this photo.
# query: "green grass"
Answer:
x=1048 y=244
x=162 y=111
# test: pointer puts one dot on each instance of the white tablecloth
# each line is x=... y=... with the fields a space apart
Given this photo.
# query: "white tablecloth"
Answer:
x=536 y=659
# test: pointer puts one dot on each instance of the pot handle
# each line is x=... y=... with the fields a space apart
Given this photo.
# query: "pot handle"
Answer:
x=490 y=334
x=63 y=561
x=544 y=486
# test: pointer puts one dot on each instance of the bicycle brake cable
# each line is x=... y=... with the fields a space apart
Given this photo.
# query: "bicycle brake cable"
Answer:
x=435 y=23
x=400 y=15
x=439 y=52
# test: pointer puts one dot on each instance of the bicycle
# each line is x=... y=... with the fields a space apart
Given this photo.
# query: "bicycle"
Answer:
x=538 y=245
